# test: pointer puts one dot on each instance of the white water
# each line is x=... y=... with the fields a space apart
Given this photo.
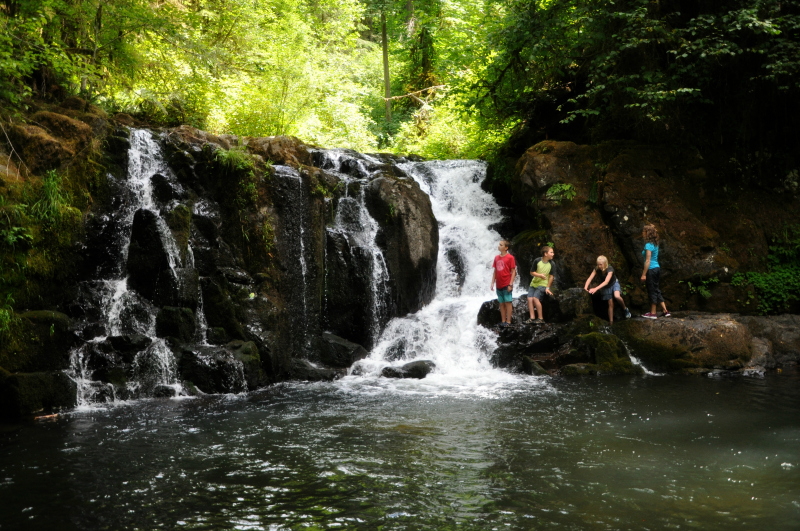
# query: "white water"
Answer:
x=156 y=364
x=353 y=218
x=446 y=331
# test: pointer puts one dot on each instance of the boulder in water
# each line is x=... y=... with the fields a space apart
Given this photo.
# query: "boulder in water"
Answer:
x=247 y=353
x=175 y=322
x=710 y=340
x=418 y=369
x=339 y=352
x=303 y=370
x=409 y=238
x=212 y=370
x=23 y=394
x=48 y=337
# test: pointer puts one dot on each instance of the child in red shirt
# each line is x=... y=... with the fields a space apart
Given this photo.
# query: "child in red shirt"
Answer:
x=503 y=274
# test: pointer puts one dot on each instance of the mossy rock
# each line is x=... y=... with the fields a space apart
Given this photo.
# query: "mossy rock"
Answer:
x=24 y=394
x=42 y=341
x=175 y=322
x=609 y=353
x=695 y=341
x=179 y=220
x=579 y=369
x=530 y=366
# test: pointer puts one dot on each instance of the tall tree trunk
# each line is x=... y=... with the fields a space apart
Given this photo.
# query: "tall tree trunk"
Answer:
x=386 y=84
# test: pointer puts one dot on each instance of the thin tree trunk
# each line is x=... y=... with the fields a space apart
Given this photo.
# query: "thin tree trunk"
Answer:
x=386 y=84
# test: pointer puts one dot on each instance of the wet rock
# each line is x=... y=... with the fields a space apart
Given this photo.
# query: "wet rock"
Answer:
x=339 y=352
x=409 y=238
x=23 y=394
x=175 y=322
x=573 y=303
x=416 y=369
x=519 y=340
x=128 y=345
x=456 y=261
x=247 y=353
x=165 y=391
x=532 y=367
x=116 y=147
x=608 y=353
x=579 y=369
x=303 y=370
x=48 y=338
x=217 y=336
x=761 y=354
x=212 y=370
x=693 y=341
x=164 y=190
x=148 y=258
x=219 y=309
x=782 y=332
x=179 y=221
x=348 y=311
x=236 y=275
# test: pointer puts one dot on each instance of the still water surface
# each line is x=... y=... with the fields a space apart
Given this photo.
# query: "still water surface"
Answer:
x=530 y=453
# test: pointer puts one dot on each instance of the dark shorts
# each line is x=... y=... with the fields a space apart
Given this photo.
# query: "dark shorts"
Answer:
x=652 y=279
x=536 y=293
x=504 y=295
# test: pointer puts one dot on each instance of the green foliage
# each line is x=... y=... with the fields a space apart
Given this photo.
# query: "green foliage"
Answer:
x=779 y=287
x=7 y=319
x=53 y=203
x=560 y=192
x=701 y=287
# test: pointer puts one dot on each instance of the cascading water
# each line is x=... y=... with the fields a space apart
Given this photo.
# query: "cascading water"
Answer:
x=125 y=311
x=446 y=331
x=352 y=218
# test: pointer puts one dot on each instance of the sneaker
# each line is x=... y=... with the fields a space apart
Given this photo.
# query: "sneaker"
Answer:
x=627 y=313
x=649 y=315
x=503 y=324
x=530 y=321
x=667 y=315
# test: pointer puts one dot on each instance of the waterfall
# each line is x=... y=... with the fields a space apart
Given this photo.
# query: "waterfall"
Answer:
x=446 y=331
x=125 y=311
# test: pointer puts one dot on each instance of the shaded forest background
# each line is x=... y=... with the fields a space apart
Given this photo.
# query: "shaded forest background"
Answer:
x=719 y=76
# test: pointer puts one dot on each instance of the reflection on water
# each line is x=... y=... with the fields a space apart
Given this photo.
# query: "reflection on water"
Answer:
x=640 y=453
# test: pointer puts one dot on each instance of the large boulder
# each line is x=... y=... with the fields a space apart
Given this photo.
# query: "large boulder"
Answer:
x=520 y=340
x=339 y=352
x=693 y=341
x=417 y=369
x=607 y=353
x=247 y=353
x=46 y=340
x=148 y=265
x=286 y=150
x=23 y=394
x=38 y=148
x=348 y=284
x=175 y=322
x=305 y=371
x=409 y=238
x=779 y=338
x=212 y=370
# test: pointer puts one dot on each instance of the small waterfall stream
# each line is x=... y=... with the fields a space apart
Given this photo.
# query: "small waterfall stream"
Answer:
x=126 y=312
x=446 y=331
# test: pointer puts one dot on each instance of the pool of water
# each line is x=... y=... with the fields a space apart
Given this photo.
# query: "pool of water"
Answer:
x=604 y=453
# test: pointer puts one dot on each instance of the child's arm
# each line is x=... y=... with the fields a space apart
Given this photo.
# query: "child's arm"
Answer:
x=494 y=272
x=549 y=283
x=513 y=276
x=646 y=265
x=588 y=281
x=604 y=284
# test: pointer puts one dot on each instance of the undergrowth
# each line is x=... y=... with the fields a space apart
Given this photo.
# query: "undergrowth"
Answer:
x=778 y=288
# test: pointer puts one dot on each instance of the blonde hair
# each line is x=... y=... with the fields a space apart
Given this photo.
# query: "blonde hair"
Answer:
x=603 y=261
x=651 y=234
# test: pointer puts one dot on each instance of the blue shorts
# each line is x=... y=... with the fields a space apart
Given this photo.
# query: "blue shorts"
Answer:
x=504 y=295
x=607 y=293
x=536 y=293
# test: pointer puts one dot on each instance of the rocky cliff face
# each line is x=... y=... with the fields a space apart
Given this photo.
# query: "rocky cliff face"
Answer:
x=708 y=231
x=221 y=265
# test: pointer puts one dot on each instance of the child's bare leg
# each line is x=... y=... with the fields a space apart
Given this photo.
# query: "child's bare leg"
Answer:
x=653 y=308
x=509 y=310
x=502 y=312
x=538 y=304
x=619 y=299
x=611 y=310
x=530 y=307
x=664 y=306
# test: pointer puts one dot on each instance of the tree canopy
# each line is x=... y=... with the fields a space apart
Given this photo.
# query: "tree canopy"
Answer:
x=464 y=76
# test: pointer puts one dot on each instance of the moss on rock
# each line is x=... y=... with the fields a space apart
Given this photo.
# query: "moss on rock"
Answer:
x=23 y=394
